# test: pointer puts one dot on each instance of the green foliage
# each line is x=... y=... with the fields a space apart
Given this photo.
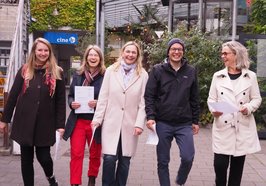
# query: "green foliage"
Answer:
x=77 y=14
x=201 y=51
x=258 y=21
x=261 y=112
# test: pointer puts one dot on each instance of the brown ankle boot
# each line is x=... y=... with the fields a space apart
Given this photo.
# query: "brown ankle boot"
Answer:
x=91 y=181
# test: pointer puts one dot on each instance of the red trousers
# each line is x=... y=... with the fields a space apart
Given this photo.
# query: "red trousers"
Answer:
x=82 y=133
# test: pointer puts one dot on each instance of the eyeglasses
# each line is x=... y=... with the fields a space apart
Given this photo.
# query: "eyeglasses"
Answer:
x=176 y=49
x=93 y=55
x=226 y=53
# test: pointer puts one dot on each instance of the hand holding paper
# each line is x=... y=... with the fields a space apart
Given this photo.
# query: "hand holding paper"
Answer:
x=153 y=137
x=82 y=95
x=224 y=107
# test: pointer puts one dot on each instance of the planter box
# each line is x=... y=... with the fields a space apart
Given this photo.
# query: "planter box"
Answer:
x=262 y=135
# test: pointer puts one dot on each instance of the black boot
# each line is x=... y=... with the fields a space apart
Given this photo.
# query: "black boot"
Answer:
x=91 y=181
x=52 y=181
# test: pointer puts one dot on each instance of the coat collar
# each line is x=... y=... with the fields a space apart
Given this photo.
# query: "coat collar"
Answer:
x=119 y=78
x=241 y=85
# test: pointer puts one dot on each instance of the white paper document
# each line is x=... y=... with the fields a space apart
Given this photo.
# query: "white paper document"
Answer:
x=93 y=132
x=152 y=137
x=224 y=107
x=83 y=94
x=57 y=137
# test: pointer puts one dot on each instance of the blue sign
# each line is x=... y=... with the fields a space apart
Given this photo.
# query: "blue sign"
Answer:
x=61 y=38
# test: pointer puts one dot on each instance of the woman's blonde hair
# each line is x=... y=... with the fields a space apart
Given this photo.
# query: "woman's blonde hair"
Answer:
x=242 y=58
x=138 y=60
x=53 y=68
x=85 y=66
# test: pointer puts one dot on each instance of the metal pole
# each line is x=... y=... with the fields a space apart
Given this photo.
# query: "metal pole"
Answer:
x=97 y=21
x=200 y=14
x=219 y=19
x=170 y=16
x=234 y=20
x=102 y=27
x=188 y=16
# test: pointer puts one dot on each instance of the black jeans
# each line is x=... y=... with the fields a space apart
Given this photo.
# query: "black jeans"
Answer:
x=43 y=156
x=221 y=163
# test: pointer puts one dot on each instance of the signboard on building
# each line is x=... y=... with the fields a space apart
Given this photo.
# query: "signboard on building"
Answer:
x=61 y=38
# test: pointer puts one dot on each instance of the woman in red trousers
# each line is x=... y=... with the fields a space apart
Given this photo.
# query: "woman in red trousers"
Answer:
x=78 y=126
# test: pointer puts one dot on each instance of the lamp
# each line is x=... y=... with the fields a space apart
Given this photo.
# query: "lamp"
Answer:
x=159 y=33
x=55 y=12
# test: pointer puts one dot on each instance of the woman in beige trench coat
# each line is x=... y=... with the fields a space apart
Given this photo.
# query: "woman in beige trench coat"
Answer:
x=120 y=111
x=234 y=135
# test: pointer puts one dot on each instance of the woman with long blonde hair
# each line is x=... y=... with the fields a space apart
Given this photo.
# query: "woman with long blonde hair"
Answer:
x=38 y=94
x=120 y=112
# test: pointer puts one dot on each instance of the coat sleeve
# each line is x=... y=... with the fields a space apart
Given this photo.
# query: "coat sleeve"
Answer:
x=71 y=93
x=141 y=116
x=12 y=97
x=212 y=93
x=103 y=97
x=255 y=97
x=151 y=94
x=194 y=99
x=60 y=103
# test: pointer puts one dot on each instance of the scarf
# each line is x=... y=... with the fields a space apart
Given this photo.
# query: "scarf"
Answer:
x=50 y=81
x=127 y=71
x=89 y=76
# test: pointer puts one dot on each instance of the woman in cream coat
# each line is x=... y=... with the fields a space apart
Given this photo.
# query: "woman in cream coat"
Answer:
x=234 y=135
x=120 y=111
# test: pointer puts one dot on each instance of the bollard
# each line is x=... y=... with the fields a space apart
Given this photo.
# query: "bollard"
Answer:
x=6 y=131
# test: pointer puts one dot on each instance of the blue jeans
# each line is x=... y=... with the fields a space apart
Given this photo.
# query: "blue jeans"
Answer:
x=184 y=139
x=113 y=176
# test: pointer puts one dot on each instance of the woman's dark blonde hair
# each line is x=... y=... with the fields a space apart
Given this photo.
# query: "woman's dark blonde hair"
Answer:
x=51 y=61
x=85 y=65
x=138 y=60
x=242 y=58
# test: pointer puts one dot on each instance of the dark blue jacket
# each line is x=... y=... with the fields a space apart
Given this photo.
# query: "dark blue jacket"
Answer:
x=172 y=96
x=71 y=121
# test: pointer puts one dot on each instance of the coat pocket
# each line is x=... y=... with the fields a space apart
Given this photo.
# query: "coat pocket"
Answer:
x=224 y=121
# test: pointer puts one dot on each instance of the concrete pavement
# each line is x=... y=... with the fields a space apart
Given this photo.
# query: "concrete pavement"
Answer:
x=143 y=171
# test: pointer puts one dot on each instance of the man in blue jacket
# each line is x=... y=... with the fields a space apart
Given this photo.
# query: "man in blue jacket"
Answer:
x=172 y=102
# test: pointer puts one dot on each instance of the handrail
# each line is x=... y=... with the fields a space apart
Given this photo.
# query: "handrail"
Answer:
x=15 y=61
x=16 y=51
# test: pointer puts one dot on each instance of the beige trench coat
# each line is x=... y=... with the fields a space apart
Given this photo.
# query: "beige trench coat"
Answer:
x=235 y=134
x=120 y=110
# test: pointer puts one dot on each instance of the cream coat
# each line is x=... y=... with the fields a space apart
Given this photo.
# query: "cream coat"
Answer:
x=235 y=134
x=120 y=110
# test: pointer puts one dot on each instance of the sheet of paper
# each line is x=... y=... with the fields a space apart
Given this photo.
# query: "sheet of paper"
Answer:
x=93 y=132
x=224 y=107
x=152 y=137
x=57 y=137
x=83 y=94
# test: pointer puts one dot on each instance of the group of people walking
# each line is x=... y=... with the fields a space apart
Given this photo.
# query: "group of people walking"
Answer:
x=126 y=98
